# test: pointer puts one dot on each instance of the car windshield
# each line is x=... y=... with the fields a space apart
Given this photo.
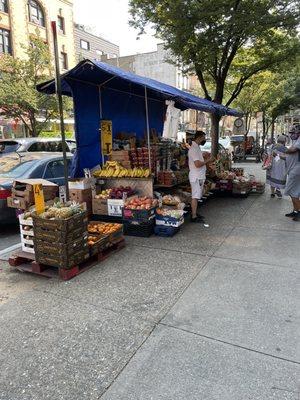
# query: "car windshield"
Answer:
x=11 y=168
x=8 y=147
x=224 y=142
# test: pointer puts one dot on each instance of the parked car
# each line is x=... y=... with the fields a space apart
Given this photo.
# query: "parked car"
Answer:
x=34 y=145
x=207 y=147
x=13 y=166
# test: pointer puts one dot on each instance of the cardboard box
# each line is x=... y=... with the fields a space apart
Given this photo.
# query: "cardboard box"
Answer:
x=100 y=206
x=81 y=195
x=18 y=202
x=23 y=190
x=81 y=183
x=26 y=185
x=121 y=155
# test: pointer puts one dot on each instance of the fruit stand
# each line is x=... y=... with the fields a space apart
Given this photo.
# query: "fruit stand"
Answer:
x=127 y=163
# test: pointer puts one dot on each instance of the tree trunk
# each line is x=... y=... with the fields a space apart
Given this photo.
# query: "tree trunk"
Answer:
x=215 y=119
x=272 y=130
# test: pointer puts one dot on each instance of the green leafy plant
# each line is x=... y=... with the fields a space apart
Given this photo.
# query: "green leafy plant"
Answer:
x=225 y=42
x=19 y=98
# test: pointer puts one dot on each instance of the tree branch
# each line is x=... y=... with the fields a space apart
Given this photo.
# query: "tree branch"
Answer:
x=202 y=82
x=228 y=41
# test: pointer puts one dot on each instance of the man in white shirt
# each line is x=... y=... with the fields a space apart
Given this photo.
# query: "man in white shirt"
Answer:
x=197 y=175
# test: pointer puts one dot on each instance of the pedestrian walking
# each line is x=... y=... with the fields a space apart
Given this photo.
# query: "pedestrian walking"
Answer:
x=276 y=175
x=293 y=171
x=197 y=174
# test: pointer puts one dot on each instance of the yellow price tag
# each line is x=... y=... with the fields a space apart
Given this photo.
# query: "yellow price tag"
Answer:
x=39 y=200
x=106 y=137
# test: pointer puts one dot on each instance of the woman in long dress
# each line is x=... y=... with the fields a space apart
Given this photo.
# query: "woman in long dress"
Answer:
x=276 y=176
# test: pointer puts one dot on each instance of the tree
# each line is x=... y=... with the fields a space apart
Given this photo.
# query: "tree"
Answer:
x=223 y=40
x=19 y=98
x=272 y=94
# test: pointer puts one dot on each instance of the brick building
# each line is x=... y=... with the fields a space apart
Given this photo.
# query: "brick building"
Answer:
x=20 y=19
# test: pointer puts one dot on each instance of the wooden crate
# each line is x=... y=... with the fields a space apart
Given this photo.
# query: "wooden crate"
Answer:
x=60 y=249
x=65 y=225
x=62 y=260
x=113 y=237
x=56 y=236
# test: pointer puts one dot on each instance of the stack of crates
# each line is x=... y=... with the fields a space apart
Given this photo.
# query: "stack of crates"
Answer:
x=27 y=234
x=61 y=243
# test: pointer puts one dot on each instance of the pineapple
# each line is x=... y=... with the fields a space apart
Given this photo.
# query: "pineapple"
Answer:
x=63 y=213
x=45 y=215
x=52 y=212
x=76 y=209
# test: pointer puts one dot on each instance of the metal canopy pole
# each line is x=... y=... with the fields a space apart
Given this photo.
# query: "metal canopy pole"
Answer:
x=148 y=128
x=101 y=117
x=60 y=105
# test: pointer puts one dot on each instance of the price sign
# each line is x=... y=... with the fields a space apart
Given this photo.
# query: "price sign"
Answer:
x=62 y=194
x=39 y=200
x=106 y=137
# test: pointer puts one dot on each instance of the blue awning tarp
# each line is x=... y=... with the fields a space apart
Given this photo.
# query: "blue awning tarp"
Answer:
x=102 y=91
x=99 y=73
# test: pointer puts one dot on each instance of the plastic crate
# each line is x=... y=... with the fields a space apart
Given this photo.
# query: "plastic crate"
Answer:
x=139 y=229
x=165 y=231
x=169 y=221
x=138 y=215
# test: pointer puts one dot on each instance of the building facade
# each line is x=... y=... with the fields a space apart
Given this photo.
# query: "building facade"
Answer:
x=22 y=19
x=91 y=46
x=158 y=65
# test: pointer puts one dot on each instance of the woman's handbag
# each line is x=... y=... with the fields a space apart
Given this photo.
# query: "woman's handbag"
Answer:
x=267 y=164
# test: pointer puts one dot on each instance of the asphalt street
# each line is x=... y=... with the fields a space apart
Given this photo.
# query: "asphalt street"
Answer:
x=9 y=235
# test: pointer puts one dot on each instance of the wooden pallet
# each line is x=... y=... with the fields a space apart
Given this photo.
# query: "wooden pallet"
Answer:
x=25 y=262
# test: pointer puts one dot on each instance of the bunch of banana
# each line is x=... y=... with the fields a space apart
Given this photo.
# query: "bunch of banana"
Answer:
x=113 y=169
x=140 y=172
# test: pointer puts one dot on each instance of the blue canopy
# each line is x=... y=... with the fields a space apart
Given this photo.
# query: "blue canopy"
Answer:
x=102 y=74
x=102 y=91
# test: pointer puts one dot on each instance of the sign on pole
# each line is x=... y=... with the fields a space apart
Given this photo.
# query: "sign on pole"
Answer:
x=106 y=137
x=39 y=200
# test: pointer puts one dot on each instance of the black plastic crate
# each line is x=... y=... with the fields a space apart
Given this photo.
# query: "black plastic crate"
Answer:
x=145 y=229
x=138 y=215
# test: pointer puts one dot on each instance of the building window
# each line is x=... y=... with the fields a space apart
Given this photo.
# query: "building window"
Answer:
x=36 y=14
x=61 y=24
x=84 y=44
x=5 y=44
x=63 y=60
x=4 y=6
x=99 y=52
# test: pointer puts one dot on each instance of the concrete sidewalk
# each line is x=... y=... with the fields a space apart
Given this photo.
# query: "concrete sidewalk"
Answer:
x=210 y=314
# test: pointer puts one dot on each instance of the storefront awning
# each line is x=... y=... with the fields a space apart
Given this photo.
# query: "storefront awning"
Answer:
x=110 y=77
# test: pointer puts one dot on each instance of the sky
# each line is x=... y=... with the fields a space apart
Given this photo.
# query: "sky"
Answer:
x=109 y=19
